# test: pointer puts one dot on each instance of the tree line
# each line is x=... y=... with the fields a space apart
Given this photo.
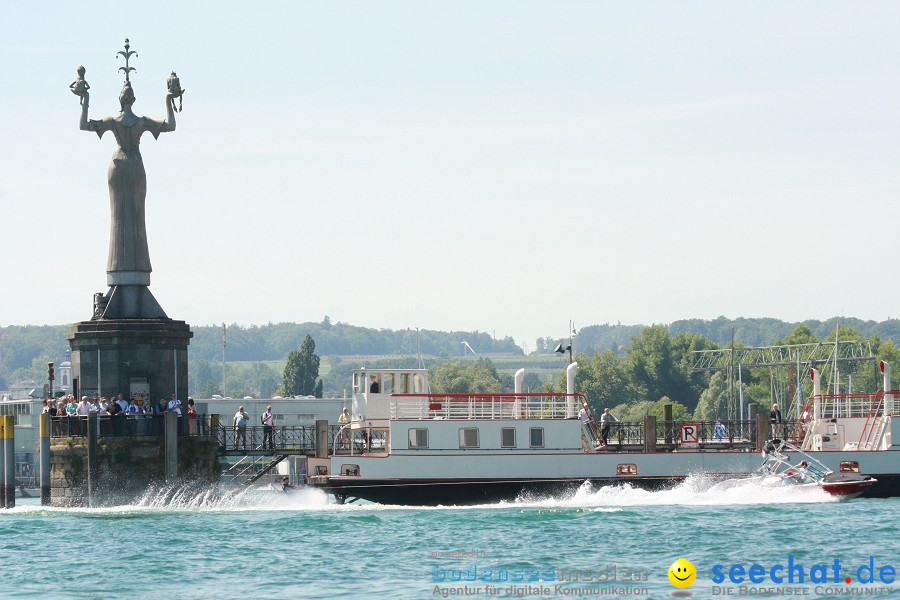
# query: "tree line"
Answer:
x=650 y=365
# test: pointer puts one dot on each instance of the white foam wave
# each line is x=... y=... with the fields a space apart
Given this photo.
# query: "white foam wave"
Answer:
x=695 y=490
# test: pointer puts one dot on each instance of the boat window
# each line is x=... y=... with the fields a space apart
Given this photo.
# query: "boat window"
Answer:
x=418 y=438
x=468 y=437
x=350 y=470
x=387 y=383
x=537 y=437
x=357 y=377
x=404 y=384
x=374 y=384
x=418 y=383
x=508 y=437
x=849 y=466
x=626 y=469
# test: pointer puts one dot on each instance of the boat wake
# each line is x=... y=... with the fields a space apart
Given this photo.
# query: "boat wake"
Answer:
x=696 y=490
x=190 y=498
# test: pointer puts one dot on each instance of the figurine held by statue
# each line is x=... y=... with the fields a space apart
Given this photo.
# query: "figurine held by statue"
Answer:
x=80 y=87
x=175 y=91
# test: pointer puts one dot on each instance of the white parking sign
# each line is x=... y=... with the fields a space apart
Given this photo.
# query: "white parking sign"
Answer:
x=690 y=435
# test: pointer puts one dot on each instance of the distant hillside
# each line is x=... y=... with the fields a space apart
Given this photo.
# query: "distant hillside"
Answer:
x=24 y=348
x=274 y=341
x=748 y=332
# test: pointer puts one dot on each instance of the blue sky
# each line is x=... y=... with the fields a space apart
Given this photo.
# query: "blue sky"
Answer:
x=500 y=166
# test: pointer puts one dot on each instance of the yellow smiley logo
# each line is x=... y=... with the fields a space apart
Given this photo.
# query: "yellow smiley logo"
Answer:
x=682 y=573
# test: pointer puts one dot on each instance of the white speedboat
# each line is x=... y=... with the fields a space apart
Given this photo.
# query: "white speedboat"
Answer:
x=785 y=465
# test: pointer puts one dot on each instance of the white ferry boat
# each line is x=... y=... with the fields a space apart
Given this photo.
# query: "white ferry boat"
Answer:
x=405 y=445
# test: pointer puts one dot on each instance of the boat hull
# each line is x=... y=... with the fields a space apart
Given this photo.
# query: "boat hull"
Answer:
x=479 y=479
x=455 y=492
x=850 y=489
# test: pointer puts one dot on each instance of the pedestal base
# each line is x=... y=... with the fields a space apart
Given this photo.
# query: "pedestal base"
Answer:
x=146 y=358
x=128 y=302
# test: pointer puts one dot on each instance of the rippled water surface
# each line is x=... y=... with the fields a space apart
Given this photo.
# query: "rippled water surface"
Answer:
x=266 y=544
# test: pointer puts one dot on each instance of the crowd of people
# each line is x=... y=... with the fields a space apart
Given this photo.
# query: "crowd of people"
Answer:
x=131 y=416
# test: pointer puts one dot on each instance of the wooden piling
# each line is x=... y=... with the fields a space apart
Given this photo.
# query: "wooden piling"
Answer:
x=8 y=435
x=171 y=446
x=322 y=438
x=45 y=459
x=650 y=434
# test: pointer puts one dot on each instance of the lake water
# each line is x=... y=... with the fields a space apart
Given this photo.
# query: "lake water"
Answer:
x=267 y=544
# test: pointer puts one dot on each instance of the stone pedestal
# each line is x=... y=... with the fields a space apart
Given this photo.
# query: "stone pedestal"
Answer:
x=143 y=357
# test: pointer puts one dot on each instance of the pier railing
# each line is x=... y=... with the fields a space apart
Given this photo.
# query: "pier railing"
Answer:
x=690 y=433
x=296 y=439
x=127 y=425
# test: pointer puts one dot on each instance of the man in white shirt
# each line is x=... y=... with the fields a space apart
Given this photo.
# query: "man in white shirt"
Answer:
x=122 y=402
x=240 y=427
x=587 y=420
x=606 y=421
x=268 y=430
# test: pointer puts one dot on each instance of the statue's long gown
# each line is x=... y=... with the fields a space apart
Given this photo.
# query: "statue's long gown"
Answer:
x=127 y=191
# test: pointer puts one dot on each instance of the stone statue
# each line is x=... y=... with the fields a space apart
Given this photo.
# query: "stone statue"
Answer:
x=129 y=258
x=175 y=90
x=128 y=262
x=80 y=87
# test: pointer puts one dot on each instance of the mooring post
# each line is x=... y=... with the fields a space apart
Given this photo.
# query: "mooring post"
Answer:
x=752 y=411
x=214 y=427
x=171 y=446
x=9 y=460
x=762 y=429
x=92 y=462
x=669 y=422
x=322 y=438
x=649 y=433
x=45 y=459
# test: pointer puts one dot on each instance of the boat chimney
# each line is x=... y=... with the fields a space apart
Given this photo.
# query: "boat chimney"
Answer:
x=888 y=396
x=817 y=393
x=519 y=380
x=571 y=370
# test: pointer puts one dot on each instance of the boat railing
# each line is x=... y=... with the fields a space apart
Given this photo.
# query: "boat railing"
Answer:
x=358 y=441
x=859 y=405
x=484 y=406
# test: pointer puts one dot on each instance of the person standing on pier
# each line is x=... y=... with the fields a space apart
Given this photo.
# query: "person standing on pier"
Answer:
x=343 y=421
x=606 y=421
x=775 y=420
x=268 y=421
x=240 y=427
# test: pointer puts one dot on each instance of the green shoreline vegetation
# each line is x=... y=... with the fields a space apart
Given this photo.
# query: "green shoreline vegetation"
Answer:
x=632 y=369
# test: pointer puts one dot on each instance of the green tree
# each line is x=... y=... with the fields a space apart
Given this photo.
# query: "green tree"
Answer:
x=478 y=377
x=263 y=380
x=630 y=413
x=302 y=370
x=602 y=378
x=801 y=334
x=680 y=412
x=714 y=399
x=653 y=367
